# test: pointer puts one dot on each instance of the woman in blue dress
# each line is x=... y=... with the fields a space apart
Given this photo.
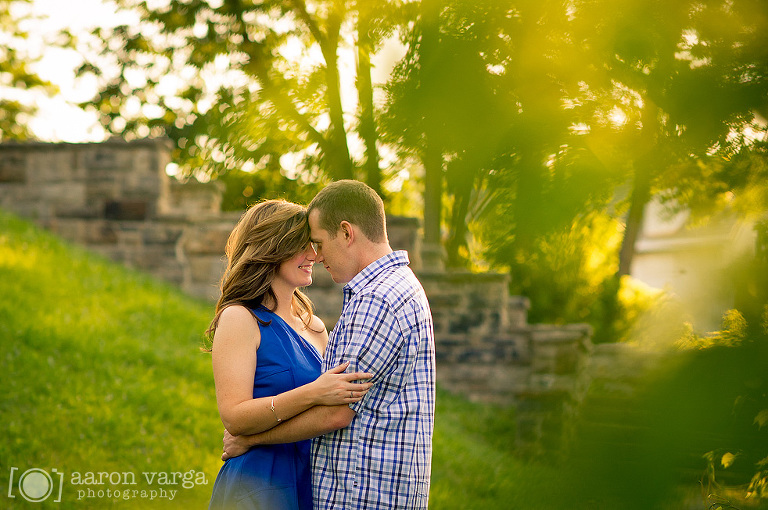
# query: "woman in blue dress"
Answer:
x=267 y=348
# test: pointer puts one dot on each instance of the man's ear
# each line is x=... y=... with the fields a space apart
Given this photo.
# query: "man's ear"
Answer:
x=348 y=232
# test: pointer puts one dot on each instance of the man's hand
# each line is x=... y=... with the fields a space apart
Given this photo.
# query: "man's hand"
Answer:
x=234 y=446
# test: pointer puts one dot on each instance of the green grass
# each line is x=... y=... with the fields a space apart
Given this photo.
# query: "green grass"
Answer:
x=473 y=466
x=102 y=373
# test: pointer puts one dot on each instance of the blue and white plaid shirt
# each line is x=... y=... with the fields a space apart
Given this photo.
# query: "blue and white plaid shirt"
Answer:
x=383 y=459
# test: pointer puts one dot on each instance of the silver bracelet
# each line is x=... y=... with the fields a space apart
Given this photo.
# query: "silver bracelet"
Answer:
x=272 y=406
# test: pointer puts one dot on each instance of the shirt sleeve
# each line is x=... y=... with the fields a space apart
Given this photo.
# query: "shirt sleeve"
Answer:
x=373 y=342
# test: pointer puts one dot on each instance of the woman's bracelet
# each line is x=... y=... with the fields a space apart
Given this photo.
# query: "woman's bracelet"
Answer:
x=272 y=406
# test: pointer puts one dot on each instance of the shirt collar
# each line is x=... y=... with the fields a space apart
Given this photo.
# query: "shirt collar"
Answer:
x=361 y=279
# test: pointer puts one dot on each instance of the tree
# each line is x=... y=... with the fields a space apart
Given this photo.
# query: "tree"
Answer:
x=528 y=117
x=727 y=52
x=665 y=93
x=16 y=74
x=257 y=85
x=476 y=99
x=690 y=78
x=529 y=120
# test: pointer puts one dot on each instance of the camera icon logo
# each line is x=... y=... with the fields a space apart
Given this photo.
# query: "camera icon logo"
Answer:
x=36 y=485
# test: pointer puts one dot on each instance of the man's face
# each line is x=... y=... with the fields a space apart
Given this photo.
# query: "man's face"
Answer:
x=331 y=252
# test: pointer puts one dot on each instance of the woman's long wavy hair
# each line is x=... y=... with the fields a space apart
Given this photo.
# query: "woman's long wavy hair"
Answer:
x=268 y=234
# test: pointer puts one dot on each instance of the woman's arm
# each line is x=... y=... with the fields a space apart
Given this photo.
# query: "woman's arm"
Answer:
x=235 y=345
x=314 y=422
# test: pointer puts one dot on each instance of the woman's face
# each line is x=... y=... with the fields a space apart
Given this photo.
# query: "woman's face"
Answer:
x=297 y=271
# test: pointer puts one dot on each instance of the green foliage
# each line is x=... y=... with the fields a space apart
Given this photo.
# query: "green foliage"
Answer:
x=16 y=75
x=242 y=189
x=241 y=85
x=487 y=96
x=563 y=272
x=690 y=429
x=747 y=277
x=569 y=276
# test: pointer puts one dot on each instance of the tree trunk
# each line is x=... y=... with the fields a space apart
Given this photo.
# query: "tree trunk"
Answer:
x=365 y=96
x=527 y=202
x=641 y=194
x=458 y=229
x=339 y=163
x=646 y=166
x=432 y=158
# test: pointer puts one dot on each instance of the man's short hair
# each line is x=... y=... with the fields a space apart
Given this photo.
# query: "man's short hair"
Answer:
x=351 y=201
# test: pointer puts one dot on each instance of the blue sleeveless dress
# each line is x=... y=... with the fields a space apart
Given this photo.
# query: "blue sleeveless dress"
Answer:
x=272 y=477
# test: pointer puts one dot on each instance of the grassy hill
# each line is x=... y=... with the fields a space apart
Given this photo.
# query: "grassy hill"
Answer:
x=106 y=390
x=102 y=374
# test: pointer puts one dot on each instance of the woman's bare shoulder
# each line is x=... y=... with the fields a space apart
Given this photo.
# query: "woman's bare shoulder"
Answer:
x=237 y=321
x=237 y=314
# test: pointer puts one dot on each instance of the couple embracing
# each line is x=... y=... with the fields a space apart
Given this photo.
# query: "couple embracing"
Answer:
x=312 y=421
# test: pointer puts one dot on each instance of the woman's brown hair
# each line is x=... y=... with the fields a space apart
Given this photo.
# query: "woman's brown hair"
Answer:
x=269 y=233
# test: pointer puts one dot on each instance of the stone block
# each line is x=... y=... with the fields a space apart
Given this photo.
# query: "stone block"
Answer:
x=205 y=269
x=403 y=234
x=101 y=232
x=17 y=197
x=143 y=162
x=205 y=240
x=140 y=186
x=327 y=301
x=129 y=235
x=162 y=234
x=506 y=378
x=73 y=230
x=440 y=322
x=111 y=252
x=158 y=260
x=517 y=311
x=191 y=197
x=443 y=299
x=101 y=190
x=442 y=356
x=51 y=166
x=543 y=364
x=516 y=345
x=66 y=198
x=101 y=159
x=494 y=321
x=473 y=356
x=12 y=168
x=126 y=210
x=488 y=296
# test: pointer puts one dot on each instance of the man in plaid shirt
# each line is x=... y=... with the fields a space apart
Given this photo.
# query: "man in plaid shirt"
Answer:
x=375 y=453
x=383 y=458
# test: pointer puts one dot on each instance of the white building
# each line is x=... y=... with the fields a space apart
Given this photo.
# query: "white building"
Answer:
x=690 y=261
